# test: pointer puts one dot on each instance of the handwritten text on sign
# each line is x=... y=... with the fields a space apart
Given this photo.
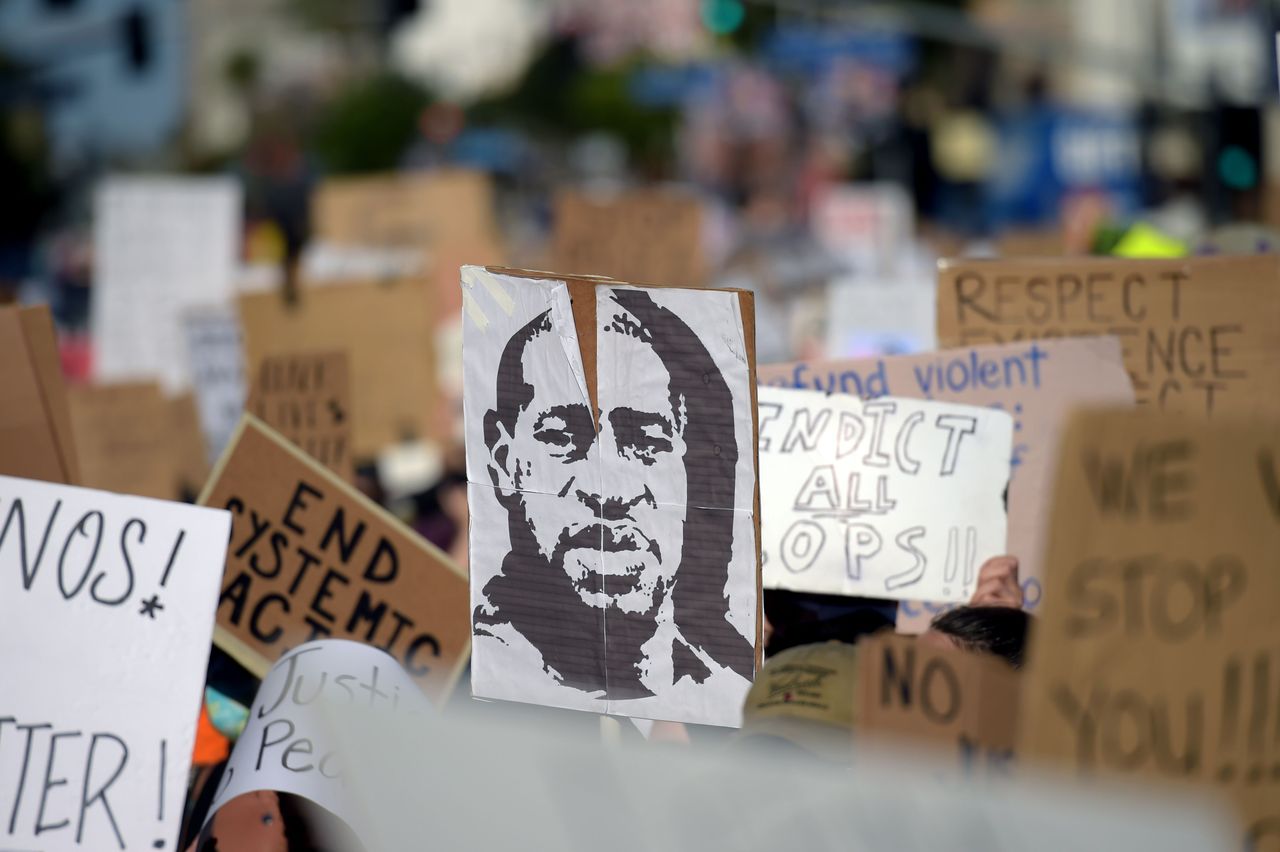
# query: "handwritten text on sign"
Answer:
x=891 y=498
x=311 y=558
x=953 y=700
x=1039 y=382
x=106 y=612
x=287 y=744
x=1198 y=335
x=1158 y=652
x=306 y=396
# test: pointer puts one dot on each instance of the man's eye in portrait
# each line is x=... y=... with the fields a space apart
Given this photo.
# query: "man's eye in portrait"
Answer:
x=641 y=435
x=568 y=427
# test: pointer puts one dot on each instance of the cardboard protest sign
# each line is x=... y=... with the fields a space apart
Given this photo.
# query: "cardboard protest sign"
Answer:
x=652 y=235
x=403 y=209
x=1039 y=382
x=287 y=745
x=161 y=245
x=954 y=701
x=1157 y=653
x=1199 y=335
x=448 y=212
x=216 y=355
x=310 y=557
x=35 y=424
x=386 y=331
x=106 y=611
x=124 y=438
x=888 y=498
x=306 y=397
x=610 y=431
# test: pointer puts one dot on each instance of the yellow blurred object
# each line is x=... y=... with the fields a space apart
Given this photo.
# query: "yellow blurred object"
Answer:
x=963 y=145
x=265 y=243
x=1142 y=240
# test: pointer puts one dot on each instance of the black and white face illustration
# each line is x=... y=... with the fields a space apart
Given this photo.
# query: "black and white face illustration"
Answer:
x=612 y=549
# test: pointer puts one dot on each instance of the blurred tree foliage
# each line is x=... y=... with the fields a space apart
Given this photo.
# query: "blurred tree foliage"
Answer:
x=368 y=126
x=561 y=97
x=333 y=15
x=26 y=182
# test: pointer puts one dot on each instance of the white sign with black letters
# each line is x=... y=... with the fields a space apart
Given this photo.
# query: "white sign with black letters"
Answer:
x=106 y=617
x=287 y=745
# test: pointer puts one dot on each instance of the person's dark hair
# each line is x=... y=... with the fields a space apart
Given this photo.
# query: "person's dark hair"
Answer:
x=711 y=459
x=998 y=630
x=513 y=393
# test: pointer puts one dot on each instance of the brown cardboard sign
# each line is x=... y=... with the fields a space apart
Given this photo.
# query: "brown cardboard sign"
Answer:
x=310 y=558
x=386 y=331
x=35 y=424
x=1157 y=653
x=943 y=698
x=306 y=397
x=1039 y=382
x=1200 y=335
x=652 y=236
x=448 y=212
x=403 y=209
x=124 y=438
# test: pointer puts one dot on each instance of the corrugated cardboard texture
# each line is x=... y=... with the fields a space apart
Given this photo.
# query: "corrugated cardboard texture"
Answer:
x=643 y=235
x=1200 y=335
x=329 y=562
x=35 y=423
x=1157 y=654
x=386 y=329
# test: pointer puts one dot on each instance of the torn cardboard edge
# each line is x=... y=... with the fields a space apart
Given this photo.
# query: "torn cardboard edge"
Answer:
x=582 y=290
x=257 y=664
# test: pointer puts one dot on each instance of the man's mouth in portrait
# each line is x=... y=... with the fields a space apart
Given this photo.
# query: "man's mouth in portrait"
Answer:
x=608 y=561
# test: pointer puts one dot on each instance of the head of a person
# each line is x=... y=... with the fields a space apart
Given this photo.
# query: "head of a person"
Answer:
x=268 y=821
x=610 y=497
x=803 y=702
x=997 y=630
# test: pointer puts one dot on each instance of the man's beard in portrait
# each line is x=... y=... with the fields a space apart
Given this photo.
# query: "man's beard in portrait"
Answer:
x=546 y=604
x=610 y=564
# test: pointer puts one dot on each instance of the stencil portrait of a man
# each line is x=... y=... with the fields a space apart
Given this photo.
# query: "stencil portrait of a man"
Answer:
x=626 y=541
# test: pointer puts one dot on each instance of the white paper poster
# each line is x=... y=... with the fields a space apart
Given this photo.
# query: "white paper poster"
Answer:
x=162 y=245
x=215 y=350
x=887 y=498
x=611 y=570
x=106 y=617
x=288 y=744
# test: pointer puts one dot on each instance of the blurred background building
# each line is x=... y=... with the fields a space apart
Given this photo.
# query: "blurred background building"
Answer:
x=989 y=125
